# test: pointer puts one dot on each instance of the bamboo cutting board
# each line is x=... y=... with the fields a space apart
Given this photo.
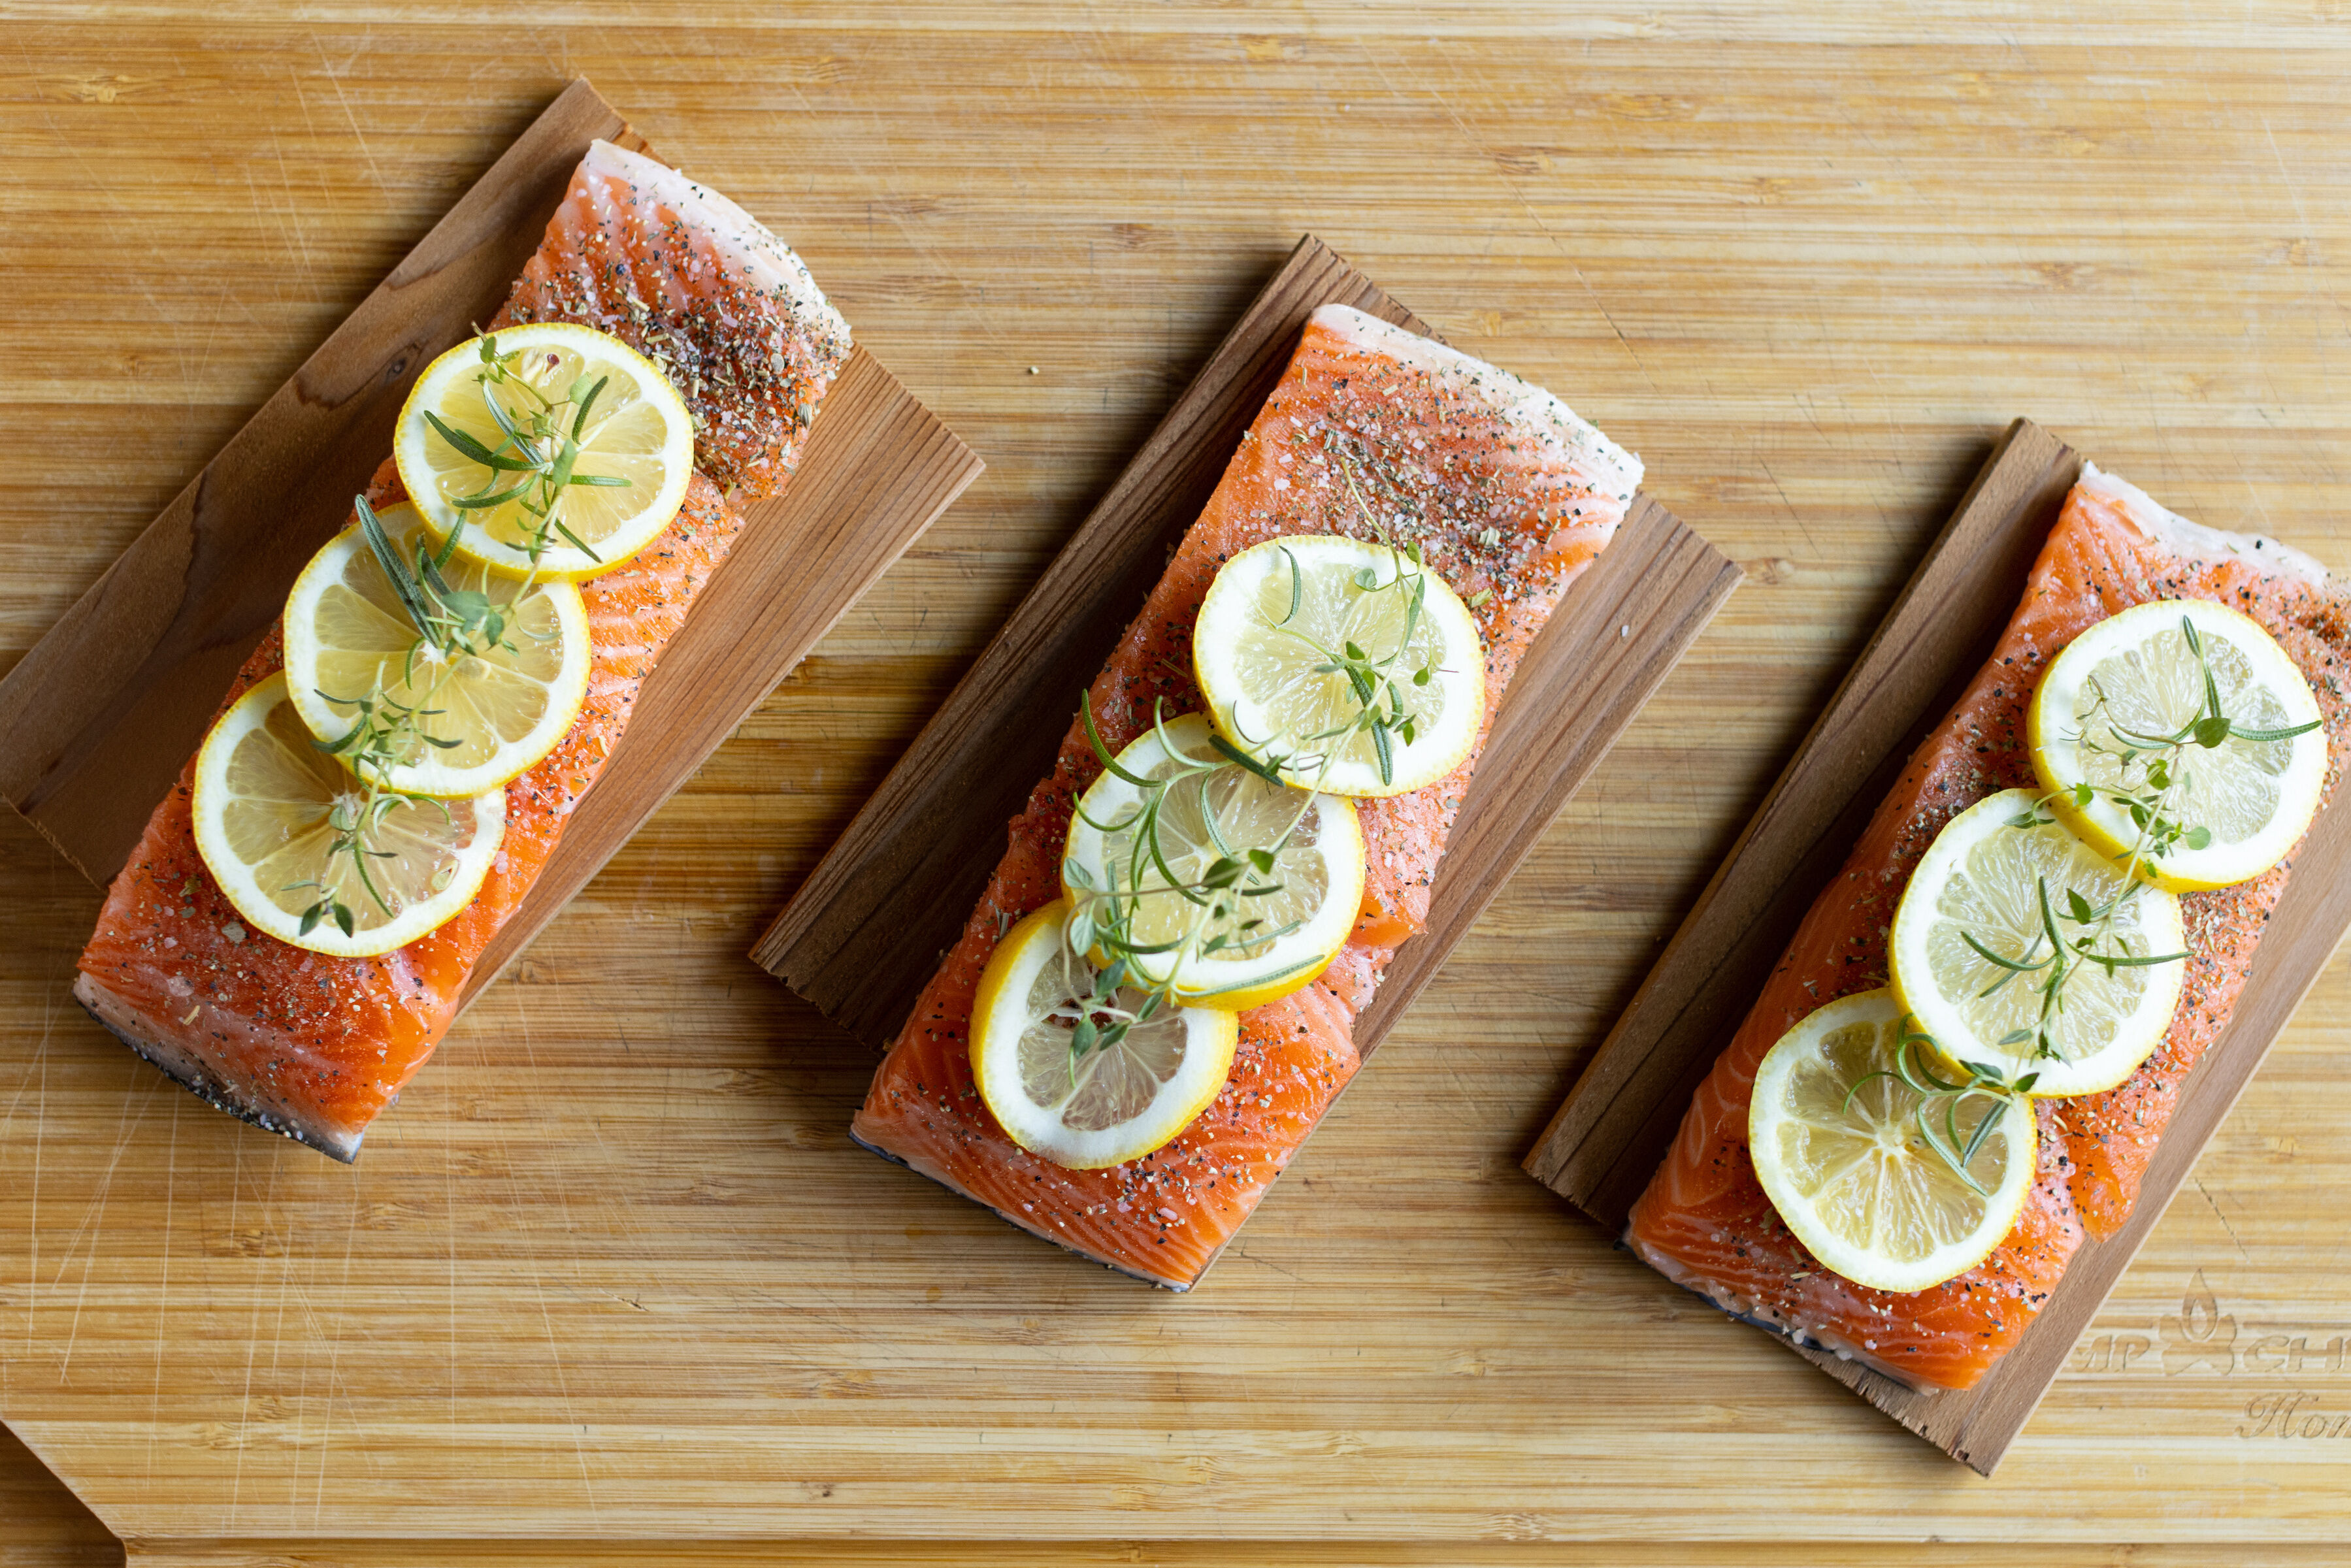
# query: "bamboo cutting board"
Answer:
x=612 y=1270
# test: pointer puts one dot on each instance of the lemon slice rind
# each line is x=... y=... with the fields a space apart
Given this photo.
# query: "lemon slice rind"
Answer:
x=1981 y=875
x=516 y=707
x=1125 y=1101
x=1320 y=868
x=261 y=794
x=638 y=429
x=1848 y=1168
x=2264 y=794
x=1254 y=656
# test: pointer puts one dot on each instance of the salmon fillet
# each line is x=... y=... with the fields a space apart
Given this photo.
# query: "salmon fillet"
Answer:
x=316 y=1047
x=1509 y=495
x=313 y=1046
x=1704 y=1220
x=694 y=283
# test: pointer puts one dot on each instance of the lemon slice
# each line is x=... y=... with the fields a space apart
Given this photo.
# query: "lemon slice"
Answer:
x=271 y=810
x=1279 y=619
x=497 y=711
x=1109 y=1104
x=635 y=444
x=1301 y=911
x=1835 y=1134
x=1982 y=877
x=2135 y=674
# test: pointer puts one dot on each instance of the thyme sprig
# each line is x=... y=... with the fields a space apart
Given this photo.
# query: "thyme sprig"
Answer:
x=2153 y=806
x=1221 y=894
x=538 y=447
x=1382 y=709
x=2065 y=958
x=1219 y=918
x=1941 y=1100
x=2165 y=772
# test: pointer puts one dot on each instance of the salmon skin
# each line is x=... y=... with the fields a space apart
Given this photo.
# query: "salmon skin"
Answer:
x=1704 y=1220
x=316 y=1047
x=1510 y=496
x=694 y=283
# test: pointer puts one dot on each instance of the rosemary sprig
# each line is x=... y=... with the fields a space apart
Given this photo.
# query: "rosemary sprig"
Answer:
x=536 y=456
x=2065 y=958
x=452 y=625
x=1941 y=1100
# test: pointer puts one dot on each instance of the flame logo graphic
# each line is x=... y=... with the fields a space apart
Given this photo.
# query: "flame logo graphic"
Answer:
x=2202 y=1335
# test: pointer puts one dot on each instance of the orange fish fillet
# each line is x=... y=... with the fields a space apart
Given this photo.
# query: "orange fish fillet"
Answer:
x=1704 y=1221
x=316 y=1047
x=1508 y=492
x=693 y=282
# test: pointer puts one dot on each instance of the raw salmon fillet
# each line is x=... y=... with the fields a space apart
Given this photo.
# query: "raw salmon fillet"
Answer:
x=1704 y=1221
x=316 y=1047
x=693 y=282
x=1507 y=491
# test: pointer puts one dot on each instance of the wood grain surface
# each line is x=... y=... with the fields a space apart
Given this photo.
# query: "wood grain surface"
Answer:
x=1617 y=1122
x=1195 y=1554
x=1808 y=261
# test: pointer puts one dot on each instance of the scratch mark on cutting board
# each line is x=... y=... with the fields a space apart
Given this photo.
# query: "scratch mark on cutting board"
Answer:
x=286 y=1287
x=335 y=1357
x=252 y=1341
x=2292 y=191
x=285 y=210
x=358 y=131
x=2214 y=1205
x=546 y=1325
x=1794 y=516
x=562 y=1190
x=163 y=1286
x=93 y=1215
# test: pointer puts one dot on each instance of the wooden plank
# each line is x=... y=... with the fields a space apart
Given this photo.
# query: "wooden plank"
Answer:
x=1615 y=1125
x=863 y=934
x=103 y=712
x=1620 y=1117
x=865 y=930
x=96 y=720
x=43 y=1525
